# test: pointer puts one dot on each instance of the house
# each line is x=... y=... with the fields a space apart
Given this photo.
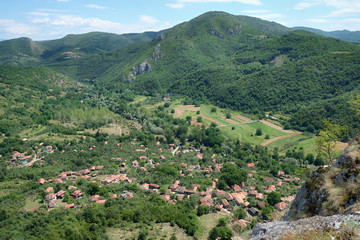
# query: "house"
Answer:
x=259 y=196
x=51 y=197
x=153 y=186
x=199 y=155
x=174 y=185
x=261 y=205
x=165 y=197
x=270 y=189
x=112 y=179
x=52 y=204
x=16 y=155
x=145 y=186
x=41 y=181
x=281 y=173
x=68 y=206
x=219 y=207
x=197 y=167
x=251 y=164
x=71 y=187
x=92 y=168
x=241 y=222
x=94 y=198
x=113 y=196
x=77 y=194
x=280 y=183
x=252 y=211
x=225 y=203
x=281 y=206
x=135 y=163
x=219 y=193
x=125 y=179
x=269 y=179
x=207 y=198
x=123 y=164
x=100 y=201
x=49 y=189
x=127 y=195
x=162 y=157
x=86 y=172
x=143 y=169
x=239 y=197
x=180 y=190
x=60 y=194
x=58 y=181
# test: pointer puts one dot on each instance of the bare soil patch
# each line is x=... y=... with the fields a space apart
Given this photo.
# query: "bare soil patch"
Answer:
x=341 y=146
x=275 y=126
x=230 y=121
x=179 y=110
x=281 y=137
x=212 y=120
x=242 y=119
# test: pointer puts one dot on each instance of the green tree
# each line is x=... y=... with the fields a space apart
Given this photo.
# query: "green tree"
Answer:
x=327 y=139
x=267 y=211
x=228 y=115
x=222 y=233
x=274 y=198
x=240 y=213
x=258 y=132
x=213 y=109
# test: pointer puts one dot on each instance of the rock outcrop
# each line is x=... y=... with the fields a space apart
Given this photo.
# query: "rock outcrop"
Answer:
x=336 y=225
x=143 y=68
x=331 y=189
x=327 y=204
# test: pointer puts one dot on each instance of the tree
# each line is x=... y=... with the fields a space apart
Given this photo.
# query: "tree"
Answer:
x=274 y=198
x=213 y=109
x=240 y=213
x=222 y=233
x=258 y=132
x=199 y=119
x=228 y=115
x=327 y=139
x=188 y=119
x=266 y=212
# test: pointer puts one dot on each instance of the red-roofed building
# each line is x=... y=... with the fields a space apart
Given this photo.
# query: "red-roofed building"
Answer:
x=41 y=181
x=51 y=197
x=251 y=164
x=281 y=206
x=101 y=201
x=77 y=194
x=113 y=196
x=94 y=198
x=52 y=204
x=60 y=194
x=225 y=203
x=241 y=222
x=49 y=189
x=68 y=206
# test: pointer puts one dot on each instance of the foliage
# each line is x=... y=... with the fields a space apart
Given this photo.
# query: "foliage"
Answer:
x=327 y=139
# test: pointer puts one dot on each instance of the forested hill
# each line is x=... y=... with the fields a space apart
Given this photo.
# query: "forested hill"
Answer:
x=345 y=35
x=240 y=62
x=26 y=52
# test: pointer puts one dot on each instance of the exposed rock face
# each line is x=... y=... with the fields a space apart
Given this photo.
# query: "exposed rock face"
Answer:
x=143 y=68
x=330 y=190
x=275 y=230
x=156 y=54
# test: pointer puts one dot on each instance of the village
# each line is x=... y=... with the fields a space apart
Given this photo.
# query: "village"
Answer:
x=64 y=191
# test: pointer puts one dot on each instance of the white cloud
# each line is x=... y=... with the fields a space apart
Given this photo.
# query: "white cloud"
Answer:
x=316 y=20
x=175 y=5
x=10 y=28
x=148 y=19
x=96 y=6
x=255 y=11
x=251 y=2
x=181 y=3
x=303 y=5
x=63 y=0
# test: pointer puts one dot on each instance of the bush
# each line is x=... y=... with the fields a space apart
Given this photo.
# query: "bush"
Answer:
x=213 y=109
x=258 y=132
x=267 y=136
x=240 y=213
x=274 y=198
x=228 y=115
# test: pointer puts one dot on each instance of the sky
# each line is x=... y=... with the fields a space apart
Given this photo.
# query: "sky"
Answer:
x=54 y=19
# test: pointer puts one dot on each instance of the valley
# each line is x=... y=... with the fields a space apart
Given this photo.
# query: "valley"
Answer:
x=201 y=131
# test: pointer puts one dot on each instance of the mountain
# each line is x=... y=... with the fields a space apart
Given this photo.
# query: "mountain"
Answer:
x=20 y=51
x=345 y=35
x=26 y=52
x=239 y=62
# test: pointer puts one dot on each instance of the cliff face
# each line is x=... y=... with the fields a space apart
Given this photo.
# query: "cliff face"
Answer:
x=326 y=204
x=331 y=189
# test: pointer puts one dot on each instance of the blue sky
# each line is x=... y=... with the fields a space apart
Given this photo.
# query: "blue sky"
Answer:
x=52 y=19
